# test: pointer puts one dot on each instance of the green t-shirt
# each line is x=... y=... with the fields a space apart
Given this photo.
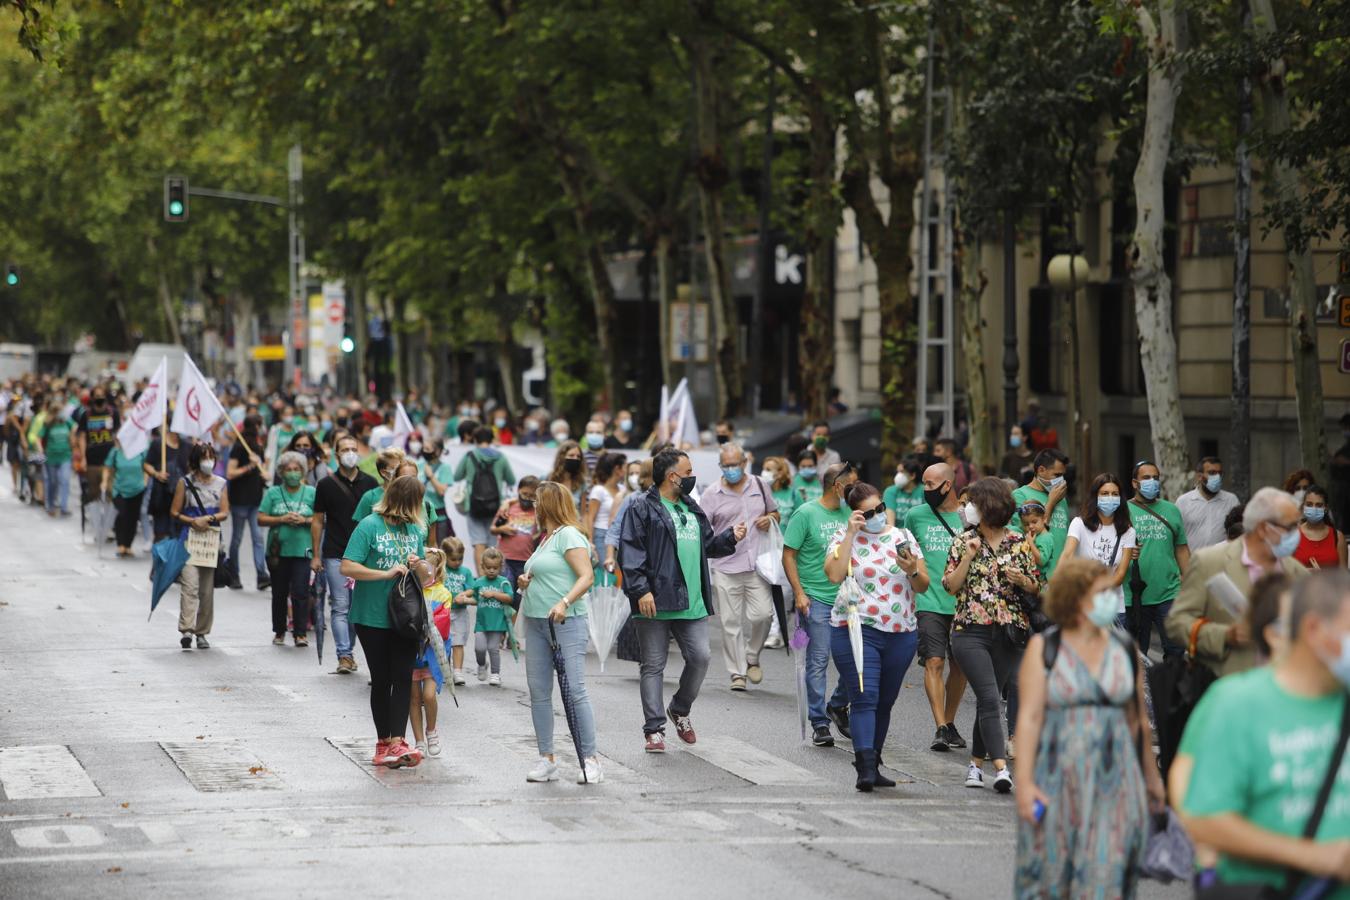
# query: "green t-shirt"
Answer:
x=902 y=501
x=457 y=581
x=809 y=533
x=786 y=499
x=492 y=615
x=1263 y=757
x=128 y=474
x=551 y=576
x=468 y=467
x=56 y=441
x=689 y=550
x=1057 y=527
x=295 y=539
x=1045 y=544
x=1157 y=549
x=805 y=491
x=935 y=541
x=377 y=545
x=366 y=505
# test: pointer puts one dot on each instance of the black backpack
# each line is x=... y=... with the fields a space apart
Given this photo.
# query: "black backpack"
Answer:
x=407 y=610
x=485 y=494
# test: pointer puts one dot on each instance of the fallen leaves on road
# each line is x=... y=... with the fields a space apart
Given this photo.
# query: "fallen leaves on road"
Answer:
x=126 y=805
x=113 y=871
x=257 y=770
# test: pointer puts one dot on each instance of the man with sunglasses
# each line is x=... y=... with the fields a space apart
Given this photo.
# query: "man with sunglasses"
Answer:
x=1163 y=559
x=664 y=554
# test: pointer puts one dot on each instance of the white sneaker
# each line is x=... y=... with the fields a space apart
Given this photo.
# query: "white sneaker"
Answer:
x=422 y=745
x=495 y=680
x=1003 y=781
x=482 y=673
x=544 y=770
x=459 y=676
x=591 y=773
x=974 y=777
x=434 y=743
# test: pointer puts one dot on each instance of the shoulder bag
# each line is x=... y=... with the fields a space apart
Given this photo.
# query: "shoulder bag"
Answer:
x=222 y=576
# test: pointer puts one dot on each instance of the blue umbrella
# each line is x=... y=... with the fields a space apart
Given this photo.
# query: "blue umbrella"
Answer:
x=564 y=688
x=167 y=560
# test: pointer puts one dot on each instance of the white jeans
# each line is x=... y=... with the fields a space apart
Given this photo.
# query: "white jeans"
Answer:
x=745 y=608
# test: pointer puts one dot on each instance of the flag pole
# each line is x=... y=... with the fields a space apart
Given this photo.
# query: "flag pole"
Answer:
x=235 y=428
x=164 y=438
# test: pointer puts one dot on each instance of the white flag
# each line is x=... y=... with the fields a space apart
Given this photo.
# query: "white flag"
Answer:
x=197 y=409
x=403 y=427
x=147 y=414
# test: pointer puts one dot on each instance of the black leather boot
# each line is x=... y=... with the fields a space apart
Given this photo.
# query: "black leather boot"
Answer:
x=879 y=779
x=865 y=761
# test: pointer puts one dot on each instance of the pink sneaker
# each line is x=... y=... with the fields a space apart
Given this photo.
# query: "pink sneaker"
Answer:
x=400 y=754
x=381 y=753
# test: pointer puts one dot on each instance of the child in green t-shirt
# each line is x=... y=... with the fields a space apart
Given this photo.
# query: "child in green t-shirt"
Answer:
x=493 y=596
x=1040 y=543
x=457 y=581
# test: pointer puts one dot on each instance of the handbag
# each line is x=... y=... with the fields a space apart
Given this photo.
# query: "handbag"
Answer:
x=1176 y=686
x=1017 y=635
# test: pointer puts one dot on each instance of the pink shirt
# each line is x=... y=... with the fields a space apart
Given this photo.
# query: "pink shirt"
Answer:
x=1254 y=569
x=725 y=508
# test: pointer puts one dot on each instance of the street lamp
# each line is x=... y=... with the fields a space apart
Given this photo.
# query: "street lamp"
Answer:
x=1066 y=273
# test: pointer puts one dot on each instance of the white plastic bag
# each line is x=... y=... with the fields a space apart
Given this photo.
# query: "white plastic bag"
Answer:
x=769 y=562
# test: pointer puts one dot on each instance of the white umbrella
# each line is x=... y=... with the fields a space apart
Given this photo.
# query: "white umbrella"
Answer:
x=608 y=611
x=849 y=596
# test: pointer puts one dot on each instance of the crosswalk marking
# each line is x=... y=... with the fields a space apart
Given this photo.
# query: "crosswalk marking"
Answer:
x=214 y=766
x=748 y=762
x=438 y=770
x=43 y=772
x=526 y=748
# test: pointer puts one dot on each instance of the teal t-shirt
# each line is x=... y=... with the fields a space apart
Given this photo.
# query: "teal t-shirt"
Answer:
x=435 y=498
x=457 y=581
x=1057 y=527
x=810 y=532
x=551 y=576
x=296 y=540
x=1157 y=549
x=804 y=490
x=1045 y=545
x=1263 y=755
x=376 y=544
x=56 y=441
x=902 y=501
x=786 y=500
x=366 y=505
x=935 y=541
x=492 y=613
x=128 y=474
x=689 y=550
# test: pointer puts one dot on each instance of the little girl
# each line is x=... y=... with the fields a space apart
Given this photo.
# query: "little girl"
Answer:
x=457 y=579
x=494 y=597
x=431 y=573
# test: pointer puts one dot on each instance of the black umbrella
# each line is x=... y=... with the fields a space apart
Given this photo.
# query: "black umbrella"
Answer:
x=569 y=708
x=780 y=609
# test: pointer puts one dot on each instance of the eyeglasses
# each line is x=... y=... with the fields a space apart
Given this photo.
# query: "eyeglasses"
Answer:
x=879 y=509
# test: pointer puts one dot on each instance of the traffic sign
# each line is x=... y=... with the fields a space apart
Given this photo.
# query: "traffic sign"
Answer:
x=1345 y=356
x=337 y=311
x=268 y=352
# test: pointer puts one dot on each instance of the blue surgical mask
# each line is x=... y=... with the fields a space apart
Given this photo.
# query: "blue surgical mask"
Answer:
x=875 y=525
x=594 y=441
x=625 y=424
x=1150 y=488
x=733 y=474
x=1108 y=505
x=1287 y=545
x=1105 y=606
x=1053 y=482
x=807 y=472
x=1015 y=440
x=1340 y=666
x=1213 y=483
x=1314 y=514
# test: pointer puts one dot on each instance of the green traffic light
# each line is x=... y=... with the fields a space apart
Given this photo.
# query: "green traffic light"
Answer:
x=11 y=278
x=175 y=207
x=348 y=345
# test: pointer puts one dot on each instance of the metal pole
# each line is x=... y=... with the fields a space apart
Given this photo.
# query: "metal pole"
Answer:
x=295 y=342
x=1011 y=364
x=764 y=262
x=1240 y=432
x=925 y=272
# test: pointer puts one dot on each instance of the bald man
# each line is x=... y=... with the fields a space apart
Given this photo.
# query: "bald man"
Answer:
x=935 y=524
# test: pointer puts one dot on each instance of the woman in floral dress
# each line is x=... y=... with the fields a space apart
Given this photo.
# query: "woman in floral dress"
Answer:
x=1081 y=799
x=888 y=570
x=986 y=567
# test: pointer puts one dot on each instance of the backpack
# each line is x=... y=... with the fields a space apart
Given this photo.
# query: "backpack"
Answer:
x=407 y=610
x=485 y=494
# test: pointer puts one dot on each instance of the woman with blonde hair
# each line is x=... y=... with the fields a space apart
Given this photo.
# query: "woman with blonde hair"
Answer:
x=569 y=470
x=557 y=578
x=381 y=548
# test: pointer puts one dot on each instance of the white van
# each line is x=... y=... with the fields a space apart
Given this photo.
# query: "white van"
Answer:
x=17 y=360
x=146 y=359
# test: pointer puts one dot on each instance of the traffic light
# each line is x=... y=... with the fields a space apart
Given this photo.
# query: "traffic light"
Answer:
x=175 y=199
x=348 y=345
x=12 y=278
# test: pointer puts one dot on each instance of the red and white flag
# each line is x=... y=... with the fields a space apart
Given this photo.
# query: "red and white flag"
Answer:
x=197 y=409
x=147 y=414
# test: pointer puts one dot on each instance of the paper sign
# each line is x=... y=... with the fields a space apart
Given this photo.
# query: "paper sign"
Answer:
x=203 y=547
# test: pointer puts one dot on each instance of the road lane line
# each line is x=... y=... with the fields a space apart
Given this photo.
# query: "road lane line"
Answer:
x=748 y=762
x=43 y=772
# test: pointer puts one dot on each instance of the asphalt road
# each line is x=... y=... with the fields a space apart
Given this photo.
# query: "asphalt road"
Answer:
x=130 y=766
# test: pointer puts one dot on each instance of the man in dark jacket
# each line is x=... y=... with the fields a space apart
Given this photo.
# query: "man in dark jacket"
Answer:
x=664 y=555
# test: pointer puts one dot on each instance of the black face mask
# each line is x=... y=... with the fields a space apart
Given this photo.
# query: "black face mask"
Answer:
x=571 y=466
x=687 y=484
x=722 y=438
x=935 y=498
x=526 y=504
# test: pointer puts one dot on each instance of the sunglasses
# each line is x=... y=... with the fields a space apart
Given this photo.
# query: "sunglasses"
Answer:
x=684 y=519
x=878 y=510
x=1031 y=509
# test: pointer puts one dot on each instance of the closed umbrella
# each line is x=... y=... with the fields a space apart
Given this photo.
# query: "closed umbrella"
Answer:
x=167 y=559
x=800 y=639
x=316 y=604
x=849 y=595
x=101 y=514
x=564 y=688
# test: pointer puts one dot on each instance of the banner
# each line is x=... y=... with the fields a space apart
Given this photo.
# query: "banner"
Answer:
x=147 y=414
x=197 y=409
x=403 y=427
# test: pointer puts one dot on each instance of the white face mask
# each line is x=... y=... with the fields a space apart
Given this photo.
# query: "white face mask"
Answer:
x=902 y=480
x=971 y=514
x=414 y=447
x=207 y=466
x=634 y=483
x=350 y=458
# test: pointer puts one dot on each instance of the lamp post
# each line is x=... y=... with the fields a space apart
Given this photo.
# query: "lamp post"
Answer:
x=1065 y=273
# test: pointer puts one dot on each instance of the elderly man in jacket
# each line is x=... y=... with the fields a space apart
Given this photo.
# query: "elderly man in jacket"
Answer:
x=664 y=555
x=1223 y=640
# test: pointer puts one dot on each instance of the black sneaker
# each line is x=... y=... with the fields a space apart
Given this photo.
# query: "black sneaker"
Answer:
x=822 y=737
x=839 y=716
x=185 y=642
x=954 y=739
x=236 y=584
x=940 y=740
x=264 y=583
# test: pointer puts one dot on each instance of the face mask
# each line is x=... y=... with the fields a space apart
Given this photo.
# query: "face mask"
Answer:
x=594 y=441
x=560 y=436
x=288 y=420
x=634 y=483
x=821 y=443
x=207 y=466
x=971 y=513
x=875 y=525
x=349 y=459
x=1103 y=612
x=292 y=479
x=1314 y=514
x=571 y=466
x=526 y=503
x=531 y=425
x=687 y=484
x=1299 y=496
x=1108 y=505
x=1340 y=666
x=733 y=474
x=1288 y=543
x=414 y=447
x=901 y=479
x=625 y=424
x=807 y=472
x=499 y=423
x=934 y=498
x=1150 y=488
x=1052 y=483
x=722 y=438
x=1015 y=441
x=1213 y=483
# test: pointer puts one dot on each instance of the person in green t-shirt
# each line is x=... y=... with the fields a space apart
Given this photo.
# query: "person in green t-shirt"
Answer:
x=288 y=509
x=1268 y=741
x=481 y=510
x=55 y=440
x=809 y=534
x=492 y=598
x=404 y=466
x=935 y=522
x=1050 y=490
x=1163 y=558
x=905 y=492
x=124 y=479
x=381 y=548
x=806 y=484
x=778 y=477
x=664 y=551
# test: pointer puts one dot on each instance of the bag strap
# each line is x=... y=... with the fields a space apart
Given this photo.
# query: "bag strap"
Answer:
x=1333 y=768
x=1115 y=548
x=187 y=482
x=1193 y=642
x=944 y=523
x=1151 y=512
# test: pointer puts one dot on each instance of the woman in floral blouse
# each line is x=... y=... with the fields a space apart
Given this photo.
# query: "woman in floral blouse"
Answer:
x=888 y=571
x=986 y=567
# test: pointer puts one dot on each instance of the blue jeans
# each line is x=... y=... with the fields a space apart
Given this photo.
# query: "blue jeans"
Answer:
x=238 y=516
x=1152 y=618
x=56 y=480
x=818 y=665
x=573 y=636
x=886 y=656
x=342 y=604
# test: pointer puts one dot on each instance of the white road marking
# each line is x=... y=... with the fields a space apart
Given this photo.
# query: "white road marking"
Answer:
x=213 y=766
x=52 y=837
x=289 y=694
x=748 y=762
x=43 y=772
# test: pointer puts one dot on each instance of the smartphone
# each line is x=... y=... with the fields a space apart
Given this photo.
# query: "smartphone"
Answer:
x=1038 y=810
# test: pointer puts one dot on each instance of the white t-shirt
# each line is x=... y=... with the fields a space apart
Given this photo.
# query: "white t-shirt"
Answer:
x=601 y=495
x=1099 y=544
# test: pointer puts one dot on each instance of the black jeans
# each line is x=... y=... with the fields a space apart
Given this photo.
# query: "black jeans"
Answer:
x=990 y=662
x=389 y=658
x=290 y=580
x=128 y=518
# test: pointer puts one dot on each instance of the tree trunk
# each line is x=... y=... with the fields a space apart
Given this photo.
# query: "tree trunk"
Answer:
x=400 y=338
x=1152 y=286
x=973 y=283
x=360 y=335
x=506 y=349
x=816 y=363
x=665 y=292
x=898 y=337
x=597 y=277
x=1239 y=468
x=166 y=306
